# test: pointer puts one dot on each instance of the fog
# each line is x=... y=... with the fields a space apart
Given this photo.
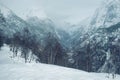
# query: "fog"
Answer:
x=70 y=11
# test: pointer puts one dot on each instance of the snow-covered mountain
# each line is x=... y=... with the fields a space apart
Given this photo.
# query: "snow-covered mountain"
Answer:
x=33 y=12
x=5 y=11
x=102 y=38
x=92 y=45
x=11 y=23
x=35 y=35
x=107 y=14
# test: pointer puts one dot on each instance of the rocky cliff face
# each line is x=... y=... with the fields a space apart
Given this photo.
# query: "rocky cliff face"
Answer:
x=100 y=41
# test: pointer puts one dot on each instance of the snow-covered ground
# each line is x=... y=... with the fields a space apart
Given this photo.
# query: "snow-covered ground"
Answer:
x=13 y=70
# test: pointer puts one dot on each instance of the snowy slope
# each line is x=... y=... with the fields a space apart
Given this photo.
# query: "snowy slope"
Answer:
x=107 y=14
x=96 y=34
x=12 y=23
x=46 y=72
x=11 y=70
x=8 y=56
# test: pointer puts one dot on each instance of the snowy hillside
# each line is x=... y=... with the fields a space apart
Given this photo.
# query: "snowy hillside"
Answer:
x=107 y=14
x=8 y=56
x=47 y=72
x=13 y=70
x=98 y=36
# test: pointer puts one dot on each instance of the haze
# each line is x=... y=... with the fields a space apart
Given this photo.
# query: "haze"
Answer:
x=70 y=11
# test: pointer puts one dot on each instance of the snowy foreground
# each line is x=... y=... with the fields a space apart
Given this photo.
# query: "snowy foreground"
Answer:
x=13 y=70
x=46 y=72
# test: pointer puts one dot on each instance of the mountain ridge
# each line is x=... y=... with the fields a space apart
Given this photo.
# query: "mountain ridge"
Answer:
x=86 y=48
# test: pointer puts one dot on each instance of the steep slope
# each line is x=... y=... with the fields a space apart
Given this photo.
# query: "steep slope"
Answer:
x=104 y=17
x=10 y=22
x=100 y=41
x=34 y=35
x=107 y=14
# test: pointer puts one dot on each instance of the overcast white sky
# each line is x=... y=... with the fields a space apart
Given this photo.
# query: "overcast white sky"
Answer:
x=72 y=11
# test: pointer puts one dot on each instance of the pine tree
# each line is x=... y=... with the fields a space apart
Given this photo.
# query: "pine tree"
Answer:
x=1 y=38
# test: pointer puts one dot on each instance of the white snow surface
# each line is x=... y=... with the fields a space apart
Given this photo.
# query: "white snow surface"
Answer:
x=11 y=70
x=7 y=56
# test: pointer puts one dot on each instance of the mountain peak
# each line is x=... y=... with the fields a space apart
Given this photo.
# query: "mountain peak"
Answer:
x=4 y=10
x=107 y=14
x=109 y=1
x=34 y=12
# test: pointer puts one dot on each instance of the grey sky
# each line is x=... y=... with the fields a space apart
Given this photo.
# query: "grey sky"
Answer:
x=72 y=11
